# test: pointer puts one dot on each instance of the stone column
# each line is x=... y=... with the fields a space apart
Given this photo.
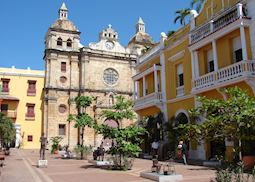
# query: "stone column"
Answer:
x=163 y=37
x=18 y=135
x=144 y=88
x=135 y=90
x=155 y=79
x=138 y=89
x=215 y=55
x=243 y=42
x=194 y=64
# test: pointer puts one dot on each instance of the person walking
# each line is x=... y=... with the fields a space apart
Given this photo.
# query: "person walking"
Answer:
x=183 y=147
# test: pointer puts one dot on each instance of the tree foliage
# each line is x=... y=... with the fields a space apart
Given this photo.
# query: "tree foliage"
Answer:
x=7 y=130
x=127 y=140
x=82 y=119
x=55 y=143
x=232 y=119
x=170 y=32
x=181 y=15
x=121 y=110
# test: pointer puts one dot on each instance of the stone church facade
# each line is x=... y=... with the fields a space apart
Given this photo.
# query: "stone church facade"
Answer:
x=103 y=70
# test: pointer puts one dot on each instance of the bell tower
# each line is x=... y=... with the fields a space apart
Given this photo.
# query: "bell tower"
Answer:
x=63 y=12
x=61 y=85
x=140 y=26
x=141 y=40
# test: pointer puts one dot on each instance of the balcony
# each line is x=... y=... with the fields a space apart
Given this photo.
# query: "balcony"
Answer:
x=151 y=52
x=147 y=72
x=225 y=76
x=10 y=113
x=149 y=100
x=218 y=22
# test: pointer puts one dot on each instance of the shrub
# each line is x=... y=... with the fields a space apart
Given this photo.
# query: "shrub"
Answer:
x=55 y=143
x=82 y=151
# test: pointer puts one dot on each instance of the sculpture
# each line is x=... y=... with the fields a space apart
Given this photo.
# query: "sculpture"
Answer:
x=43 y=141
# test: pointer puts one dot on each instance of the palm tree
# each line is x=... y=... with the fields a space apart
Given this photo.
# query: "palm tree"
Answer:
x=181 y=15
x=197 y=4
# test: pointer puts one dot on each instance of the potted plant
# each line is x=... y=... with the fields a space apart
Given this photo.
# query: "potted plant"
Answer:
x=55 y=144
x=248 y=154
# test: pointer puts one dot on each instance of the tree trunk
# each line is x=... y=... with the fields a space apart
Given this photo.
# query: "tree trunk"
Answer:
x=82 y=136
x=120 y=161
x=69 y=133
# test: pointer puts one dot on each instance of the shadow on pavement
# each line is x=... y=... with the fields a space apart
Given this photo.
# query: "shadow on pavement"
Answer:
x=89 y=167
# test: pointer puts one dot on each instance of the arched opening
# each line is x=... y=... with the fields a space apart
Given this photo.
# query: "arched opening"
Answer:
x=180 y=118
x=69 y=43
x=59 y=42
x=107 y=143
x=111 y=100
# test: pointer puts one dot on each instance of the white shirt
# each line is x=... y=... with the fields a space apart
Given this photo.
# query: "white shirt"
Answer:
x=154 y=145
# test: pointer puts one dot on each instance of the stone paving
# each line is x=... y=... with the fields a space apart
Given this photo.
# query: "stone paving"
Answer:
x=21 y=167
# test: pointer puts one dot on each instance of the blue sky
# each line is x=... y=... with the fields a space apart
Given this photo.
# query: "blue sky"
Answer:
x=24 y=23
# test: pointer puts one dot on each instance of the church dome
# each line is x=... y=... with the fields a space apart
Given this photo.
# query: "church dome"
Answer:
x=64 y=25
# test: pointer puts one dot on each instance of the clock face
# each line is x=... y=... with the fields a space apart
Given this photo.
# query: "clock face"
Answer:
x=109 y=45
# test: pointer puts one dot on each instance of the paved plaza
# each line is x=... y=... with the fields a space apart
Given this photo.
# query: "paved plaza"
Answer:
x=20 y=166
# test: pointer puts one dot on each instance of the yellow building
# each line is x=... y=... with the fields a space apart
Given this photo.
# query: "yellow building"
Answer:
x=214 y=51
x=21 y=100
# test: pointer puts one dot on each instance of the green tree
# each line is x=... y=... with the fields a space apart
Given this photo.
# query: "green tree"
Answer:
x=120 y=111
x=182 y=15
x=170 y=32
x=197 y=4
x=146 y=48
x=55 y=143
x=232 y=119
x=82 y=119
x=127 y=140
x=7 y=130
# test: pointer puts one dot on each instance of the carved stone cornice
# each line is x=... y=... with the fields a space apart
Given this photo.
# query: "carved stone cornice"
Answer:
x=88 y=90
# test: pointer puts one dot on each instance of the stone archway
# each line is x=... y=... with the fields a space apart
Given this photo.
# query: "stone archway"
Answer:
x=181 y=117
x=107 y=143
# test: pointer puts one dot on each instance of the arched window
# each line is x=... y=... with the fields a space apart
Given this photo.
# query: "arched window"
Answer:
x=110 y=76
x=69 y=43
x=111 y=100
x=59 y=42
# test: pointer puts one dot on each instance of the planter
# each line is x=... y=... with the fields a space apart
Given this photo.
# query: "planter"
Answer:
x=7 y=152
x=55 y=152
x=249 y=161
